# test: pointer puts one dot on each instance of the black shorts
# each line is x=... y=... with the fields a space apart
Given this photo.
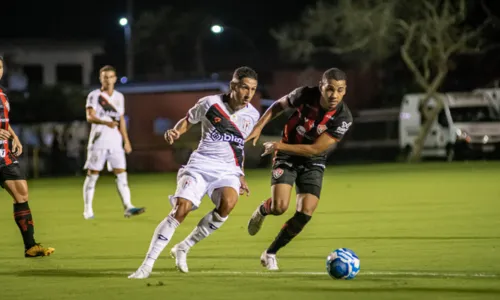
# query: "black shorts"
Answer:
x=308 y=178
x=11 y=172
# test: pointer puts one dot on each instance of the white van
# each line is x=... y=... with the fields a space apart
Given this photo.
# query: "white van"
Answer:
x=469 y=124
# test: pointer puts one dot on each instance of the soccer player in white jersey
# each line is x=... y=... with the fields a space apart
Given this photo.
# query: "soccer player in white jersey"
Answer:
x=215 y=168
x=108 y=142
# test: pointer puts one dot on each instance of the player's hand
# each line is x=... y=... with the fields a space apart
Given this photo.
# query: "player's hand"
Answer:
x=254 y=135
x=269 y=147
x=17 y=148
x=171 y=135
x=244 y=186
x=5 y=134
x=127 y=147
x=112 y=124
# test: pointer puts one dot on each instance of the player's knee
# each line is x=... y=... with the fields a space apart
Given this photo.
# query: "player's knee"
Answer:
x=118 y=171
x=227 y=204
x=182 y=209
x=279 y=207
x=92 y=172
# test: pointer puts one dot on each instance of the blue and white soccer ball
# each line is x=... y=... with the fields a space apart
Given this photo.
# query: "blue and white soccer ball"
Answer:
x=342 y=263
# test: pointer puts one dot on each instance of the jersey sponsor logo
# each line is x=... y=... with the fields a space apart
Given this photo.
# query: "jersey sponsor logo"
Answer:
x=301 y=130
x=277 y=173
x=343 y=129
x=321 y=128
x=217 y=119
x=226 y=137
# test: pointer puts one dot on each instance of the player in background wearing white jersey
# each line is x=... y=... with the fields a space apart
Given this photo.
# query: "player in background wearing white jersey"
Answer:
x=215 y=168
x=108 y=142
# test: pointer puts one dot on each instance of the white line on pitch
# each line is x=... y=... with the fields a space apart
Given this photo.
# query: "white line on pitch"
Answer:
x=362 y=273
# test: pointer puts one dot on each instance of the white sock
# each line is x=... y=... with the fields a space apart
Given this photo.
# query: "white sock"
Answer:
x=162 y=235
x=88 y=192
x=124 y=190
x=207 y=225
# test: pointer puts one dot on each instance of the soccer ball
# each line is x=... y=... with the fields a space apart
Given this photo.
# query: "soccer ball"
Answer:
x=342 y=263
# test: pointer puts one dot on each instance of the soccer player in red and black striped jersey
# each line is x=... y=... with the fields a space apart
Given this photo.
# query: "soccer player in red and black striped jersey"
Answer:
x=320 y=120
x=13 y=180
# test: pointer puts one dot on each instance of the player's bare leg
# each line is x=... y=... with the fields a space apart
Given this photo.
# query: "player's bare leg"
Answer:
x=162 y=236
x=306 y=205
x=18 y=189
x=124 y=192
x=207 y=225
x=276 y=205
x=88 y=193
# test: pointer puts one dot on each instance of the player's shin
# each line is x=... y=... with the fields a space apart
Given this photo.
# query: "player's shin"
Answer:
x=265 y=207
x=24 y=220
x=290 y=229
x=161 y=237
x=88 y=193
x=207 y=225
x=123 y=189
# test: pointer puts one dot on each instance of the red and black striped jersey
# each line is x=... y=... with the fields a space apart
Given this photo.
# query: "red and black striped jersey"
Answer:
x=310 y=120
x=6 y=157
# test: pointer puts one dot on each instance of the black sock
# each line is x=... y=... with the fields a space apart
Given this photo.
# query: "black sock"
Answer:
x=24 y=220
x=289 y=230
x=265 y=208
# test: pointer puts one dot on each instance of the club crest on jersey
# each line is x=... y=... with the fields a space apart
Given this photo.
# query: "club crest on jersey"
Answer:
x=186 y=183
x=217 y=119
x=246 y=124
x=321 y=128
x=277 y=173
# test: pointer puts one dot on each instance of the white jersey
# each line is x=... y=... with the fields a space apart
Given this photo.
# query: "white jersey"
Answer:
x=223 y=134
x=107 y=108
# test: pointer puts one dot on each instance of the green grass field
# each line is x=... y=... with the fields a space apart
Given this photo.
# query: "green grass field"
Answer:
x=429 y=231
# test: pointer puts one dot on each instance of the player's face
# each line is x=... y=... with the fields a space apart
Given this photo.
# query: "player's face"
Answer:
x=1 y=69
x=244 y=90
x=332 y=92
x=108 y=79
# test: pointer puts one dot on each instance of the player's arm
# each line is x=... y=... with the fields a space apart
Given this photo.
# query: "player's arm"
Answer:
x=123 y=130
x=275 y=110
x=322 y=144
x=179 y=129
x=193 y=116
x=17 y=147
x=93 y=119
x=272 y=112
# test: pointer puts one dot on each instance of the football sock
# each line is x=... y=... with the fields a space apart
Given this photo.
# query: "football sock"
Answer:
x=162 y=235
x=290 y=229
x=265 y=208
x=88 y=191
x=24 y=220
x=207 y=225
x=123 y=189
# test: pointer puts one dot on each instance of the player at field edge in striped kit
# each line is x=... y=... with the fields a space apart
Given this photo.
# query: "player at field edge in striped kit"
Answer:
x=13 y=180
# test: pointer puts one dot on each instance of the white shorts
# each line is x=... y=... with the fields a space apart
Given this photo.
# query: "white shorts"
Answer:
x=97 y=158
x=194 y=184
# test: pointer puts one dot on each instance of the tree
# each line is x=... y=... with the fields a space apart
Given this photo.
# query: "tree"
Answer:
x=428 y=35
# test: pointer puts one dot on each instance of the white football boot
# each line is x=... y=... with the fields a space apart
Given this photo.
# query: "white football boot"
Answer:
x=255 y=222
x=141 y=273
x=180 y=255
x=269 y=261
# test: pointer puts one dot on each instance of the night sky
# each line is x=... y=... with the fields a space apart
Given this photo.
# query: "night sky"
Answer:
x=98 y=20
